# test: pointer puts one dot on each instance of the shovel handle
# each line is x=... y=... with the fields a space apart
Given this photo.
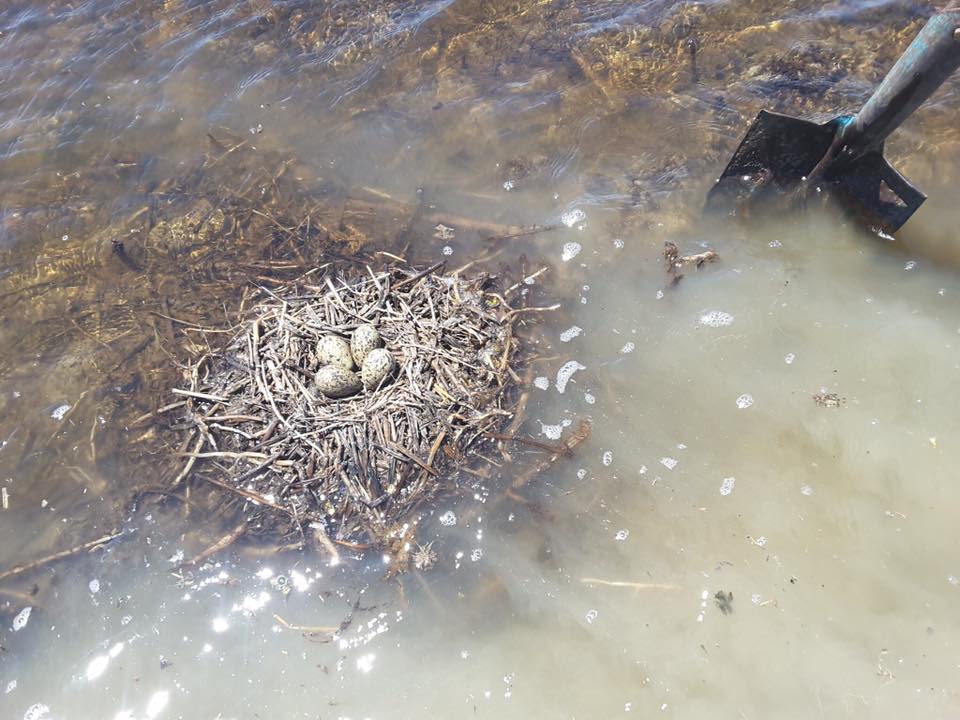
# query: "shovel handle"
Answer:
x=931 y=58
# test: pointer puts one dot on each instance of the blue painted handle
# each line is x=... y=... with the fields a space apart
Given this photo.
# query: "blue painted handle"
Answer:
x=927 y=63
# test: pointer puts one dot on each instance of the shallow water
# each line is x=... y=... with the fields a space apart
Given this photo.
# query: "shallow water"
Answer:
x=711 y=469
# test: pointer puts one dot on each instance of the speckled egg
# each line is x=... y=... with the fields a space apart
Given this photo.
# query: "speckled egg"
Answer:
x=336 y=382
x=334 y=350
x=365 y=338
x=377 y=366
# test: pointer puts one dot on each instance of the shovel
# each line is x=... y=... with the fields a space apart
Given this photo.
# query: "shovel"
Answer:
x=787 y=160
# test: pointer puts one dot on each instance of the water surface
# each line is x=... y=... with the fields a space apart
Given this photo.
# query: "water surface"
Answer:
x=726 y=544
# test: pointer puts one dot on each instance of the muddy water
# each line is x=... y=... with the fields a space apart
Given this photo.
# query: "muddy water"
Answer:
x=762 y=523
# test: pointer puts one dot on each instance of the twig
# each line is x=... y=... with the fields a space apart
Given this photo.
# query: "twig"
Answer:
x=19 y=569
x=198 y=395
x=226 y=454
x=626 y=584
x=410 y=456
x=158 y=411
x=192 y=459
x=578 y=436
x=222 y=544
x=557 y=449
x=524 y=232
x=250 y=495
x=312 y=629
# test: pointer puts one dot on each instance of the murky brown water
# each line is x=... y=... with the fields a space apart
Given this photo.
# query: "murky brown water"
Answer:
x=711 y=468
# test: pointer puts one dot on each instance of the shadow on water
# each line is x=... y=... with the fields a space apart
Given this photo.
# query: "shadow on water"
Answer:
x=761 y=523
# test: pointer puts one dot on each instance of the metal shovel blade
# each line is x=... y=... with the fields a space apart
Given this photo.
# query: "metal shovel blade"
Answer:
x=779 y=152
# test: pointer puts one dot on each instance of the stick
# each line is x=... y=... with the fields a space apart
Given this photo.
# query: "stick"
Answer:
x=523 y=232
x=551 y=308
x=419 y=276
x=253 y=471
x=158 y=411
x=410 y=456
x=193 y=458
x=250 y=495
x=578 y=436
x=222 y=544
x=227 y=454
x=556 y=449
x=200 y=395
x=19 y=569
x=625 y=584
x=316 y=629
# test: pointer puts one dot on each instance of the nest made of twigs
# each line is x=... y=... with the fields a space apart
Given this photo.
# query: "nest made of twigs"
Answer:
x=355 y=468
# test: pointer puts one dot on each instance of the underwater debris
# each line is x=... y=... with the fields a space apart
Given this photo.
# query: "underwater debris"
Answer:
x=828 y=400
x=676 y=262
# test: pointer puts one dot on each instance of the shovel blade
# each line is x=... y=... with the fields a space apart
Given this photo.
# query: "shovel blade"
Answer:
x=779 y=151
x=876 y=194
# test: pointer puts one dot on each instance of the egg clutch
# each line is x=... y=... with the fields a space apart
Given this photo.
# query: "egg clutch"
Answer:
x=340 y=359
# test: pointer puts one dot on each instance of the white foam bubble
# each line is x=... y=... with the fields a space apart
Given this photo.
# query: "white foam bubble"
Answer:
x=744 y=401
x=21 y=619
x=551 y=432
x=570 y=333
x=59 y=412
x=726 y=487
x=566 y=372
x=37 y=711
x=541 y=382
x=570 y=251
x=572 y=217
x=716 y=318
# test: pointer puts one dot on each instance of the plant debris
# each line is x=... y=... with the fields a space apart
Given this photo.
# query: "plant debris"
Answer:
x=677 y=262
x=828 y=400
x=354 y=470
x=724 y=601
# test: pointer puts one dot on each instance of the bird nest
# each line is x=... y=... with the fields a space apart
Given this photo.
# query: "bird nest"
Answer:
x=353 y=469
